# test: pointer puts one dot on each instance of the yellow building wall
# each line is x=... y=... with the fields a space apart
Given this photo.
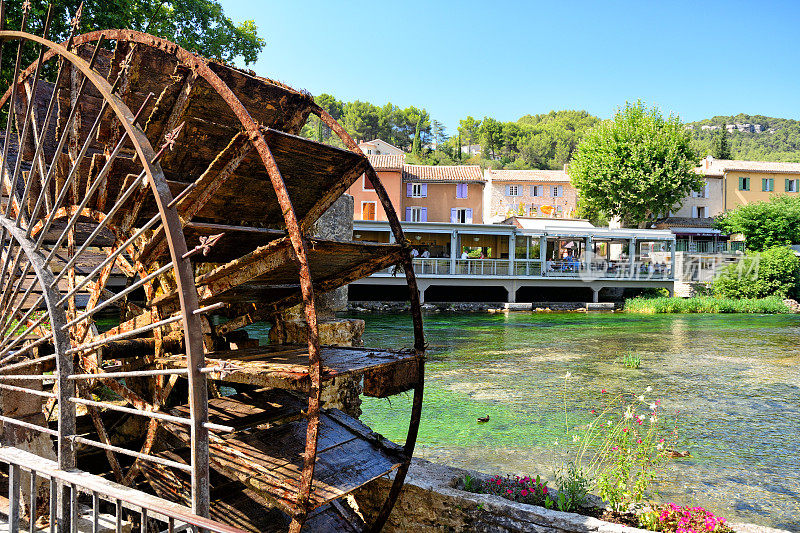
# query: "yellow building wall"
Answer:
x=734 y=197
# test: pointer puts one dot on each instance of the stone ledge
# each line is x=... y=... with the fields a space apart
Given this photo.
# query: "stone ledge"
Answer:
x=430 y=503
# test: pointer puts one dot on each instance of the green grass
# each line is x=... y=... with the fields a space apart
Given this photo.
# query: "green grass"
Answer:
x=706 y=304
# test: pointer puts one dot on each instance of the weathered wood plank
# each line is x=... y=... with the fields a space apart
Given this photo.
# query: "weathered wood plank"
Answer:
x=267 y=366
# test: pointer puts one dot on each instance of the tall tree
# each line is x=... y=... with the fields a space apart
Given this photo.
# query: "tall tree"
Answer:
x=200 y=26
x=636 y=166
x=722 y=149
x=417 y=143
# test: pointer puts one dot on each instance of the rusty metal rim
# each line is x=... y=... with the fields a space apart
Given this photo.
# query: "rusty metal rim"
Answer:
x=58 y=317
x=251 y=127
x=184 y=276
x=416 y=315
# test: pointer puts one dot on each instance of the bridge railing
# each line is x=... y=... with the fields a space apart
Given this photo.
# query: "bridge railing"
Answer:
x=73 y=494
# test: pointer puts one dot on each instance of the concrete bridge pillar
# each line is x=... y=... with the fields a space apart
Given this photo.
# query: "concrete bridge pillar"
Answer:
x=595 y=294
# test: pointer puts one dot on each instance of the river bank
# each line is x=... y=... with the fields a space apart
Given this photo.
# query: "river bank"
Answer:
x=511 y=367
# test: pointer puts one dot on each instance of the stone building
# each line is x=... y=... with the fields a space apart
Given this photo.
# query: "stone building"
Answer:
x=536 y=193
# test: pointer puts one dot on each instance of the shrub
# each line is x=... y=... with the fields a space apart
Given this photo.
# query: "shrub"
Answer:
x=573 y=487
x=773 y=272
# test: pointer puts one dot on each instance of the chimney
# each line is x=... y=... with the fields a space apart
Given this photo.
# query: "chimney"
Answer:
x=566 y=167
x=709 y=160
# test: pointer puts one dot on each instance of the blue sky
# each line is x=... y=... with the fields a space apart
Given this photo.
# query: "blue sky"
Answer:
x=511 y=58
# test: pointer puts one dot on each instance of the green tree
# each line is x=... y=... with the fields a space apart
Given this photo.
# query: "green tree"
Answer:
x=200 y=26
x=491 y=135
x=417 y=146
x=722 y=149
x=636 y=166
x=765 y=224
x=469 y=129
x=773 y=272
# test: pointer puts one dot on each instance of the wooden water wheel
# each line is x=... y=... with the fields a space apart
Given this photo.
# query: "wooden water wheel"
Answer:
x=172 y=193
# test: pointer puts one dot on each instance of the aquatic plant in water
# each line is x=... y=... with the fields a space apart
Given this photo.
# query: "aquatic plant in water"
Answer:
x=673 y=518
x=632 y=360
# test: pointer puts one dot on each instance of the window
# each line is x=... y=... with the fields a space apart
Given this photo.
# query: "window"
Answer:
x=702 y=193
x=462 y=190
x=416 y=214
x=368 y=210
x=366 y=185
x=767 y=184
x=744 y=184
x=558 y=191
x=369 y=152
x=537 y=190
x=461 y=216
x=699 y=211
x=416 y=190
x=791 y=185
x=512 y=190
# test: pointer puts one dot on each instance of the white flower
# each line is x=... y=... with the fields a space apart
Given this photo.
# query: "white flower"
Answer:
x=653 y=419
x=659 y=446
x=649 y=389
x=652 y=407
x=575 y=438
x=569 y=375
x=609 y=423
x=641 y=398
x=555 y=442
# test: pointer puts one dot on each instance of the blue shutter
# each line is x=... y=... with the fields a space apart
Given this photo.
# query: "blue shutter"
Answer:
x=508 y=190
x=424 y=190
x=408 y=214
x=408 y=190
x=423 y=216
x=469 y=216
x=453 y=216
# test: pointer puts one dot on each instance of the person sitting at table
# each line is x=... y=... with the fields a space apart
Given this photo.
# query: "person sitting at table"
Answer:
x=425 y=253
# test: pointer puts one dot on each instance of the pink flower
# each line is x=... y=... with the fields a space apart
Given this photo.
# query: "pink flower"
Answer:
x=602 y=391
x=625 y=430
x=509 y=491
x=524 y=492
x=593 y=411
x=544 y=490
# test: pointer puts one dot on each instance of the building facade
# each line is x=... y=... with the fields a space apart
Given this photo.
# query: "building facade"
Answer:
x=366 y=205
x=731 y=183
x=443 y=194
x=534 y=193
x=379 y=147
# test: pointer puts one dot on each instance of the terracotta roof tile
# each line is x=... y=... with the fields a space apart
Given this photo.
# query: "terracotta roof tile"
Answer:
x=386 y=162
x=718 y=167
x=460 y=173
x=530 y=175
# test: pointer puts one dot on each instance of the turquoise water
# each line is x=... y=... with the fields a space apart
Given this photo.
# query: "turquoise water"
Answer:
x=733 y=380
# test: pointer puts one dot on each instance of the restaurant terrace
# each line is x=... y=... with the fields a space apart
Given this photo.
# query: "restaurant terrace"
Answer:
x=528 y=252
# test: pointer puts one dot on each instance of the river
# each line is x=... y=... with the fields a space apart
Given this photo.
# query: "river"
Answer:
x=734 y=381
